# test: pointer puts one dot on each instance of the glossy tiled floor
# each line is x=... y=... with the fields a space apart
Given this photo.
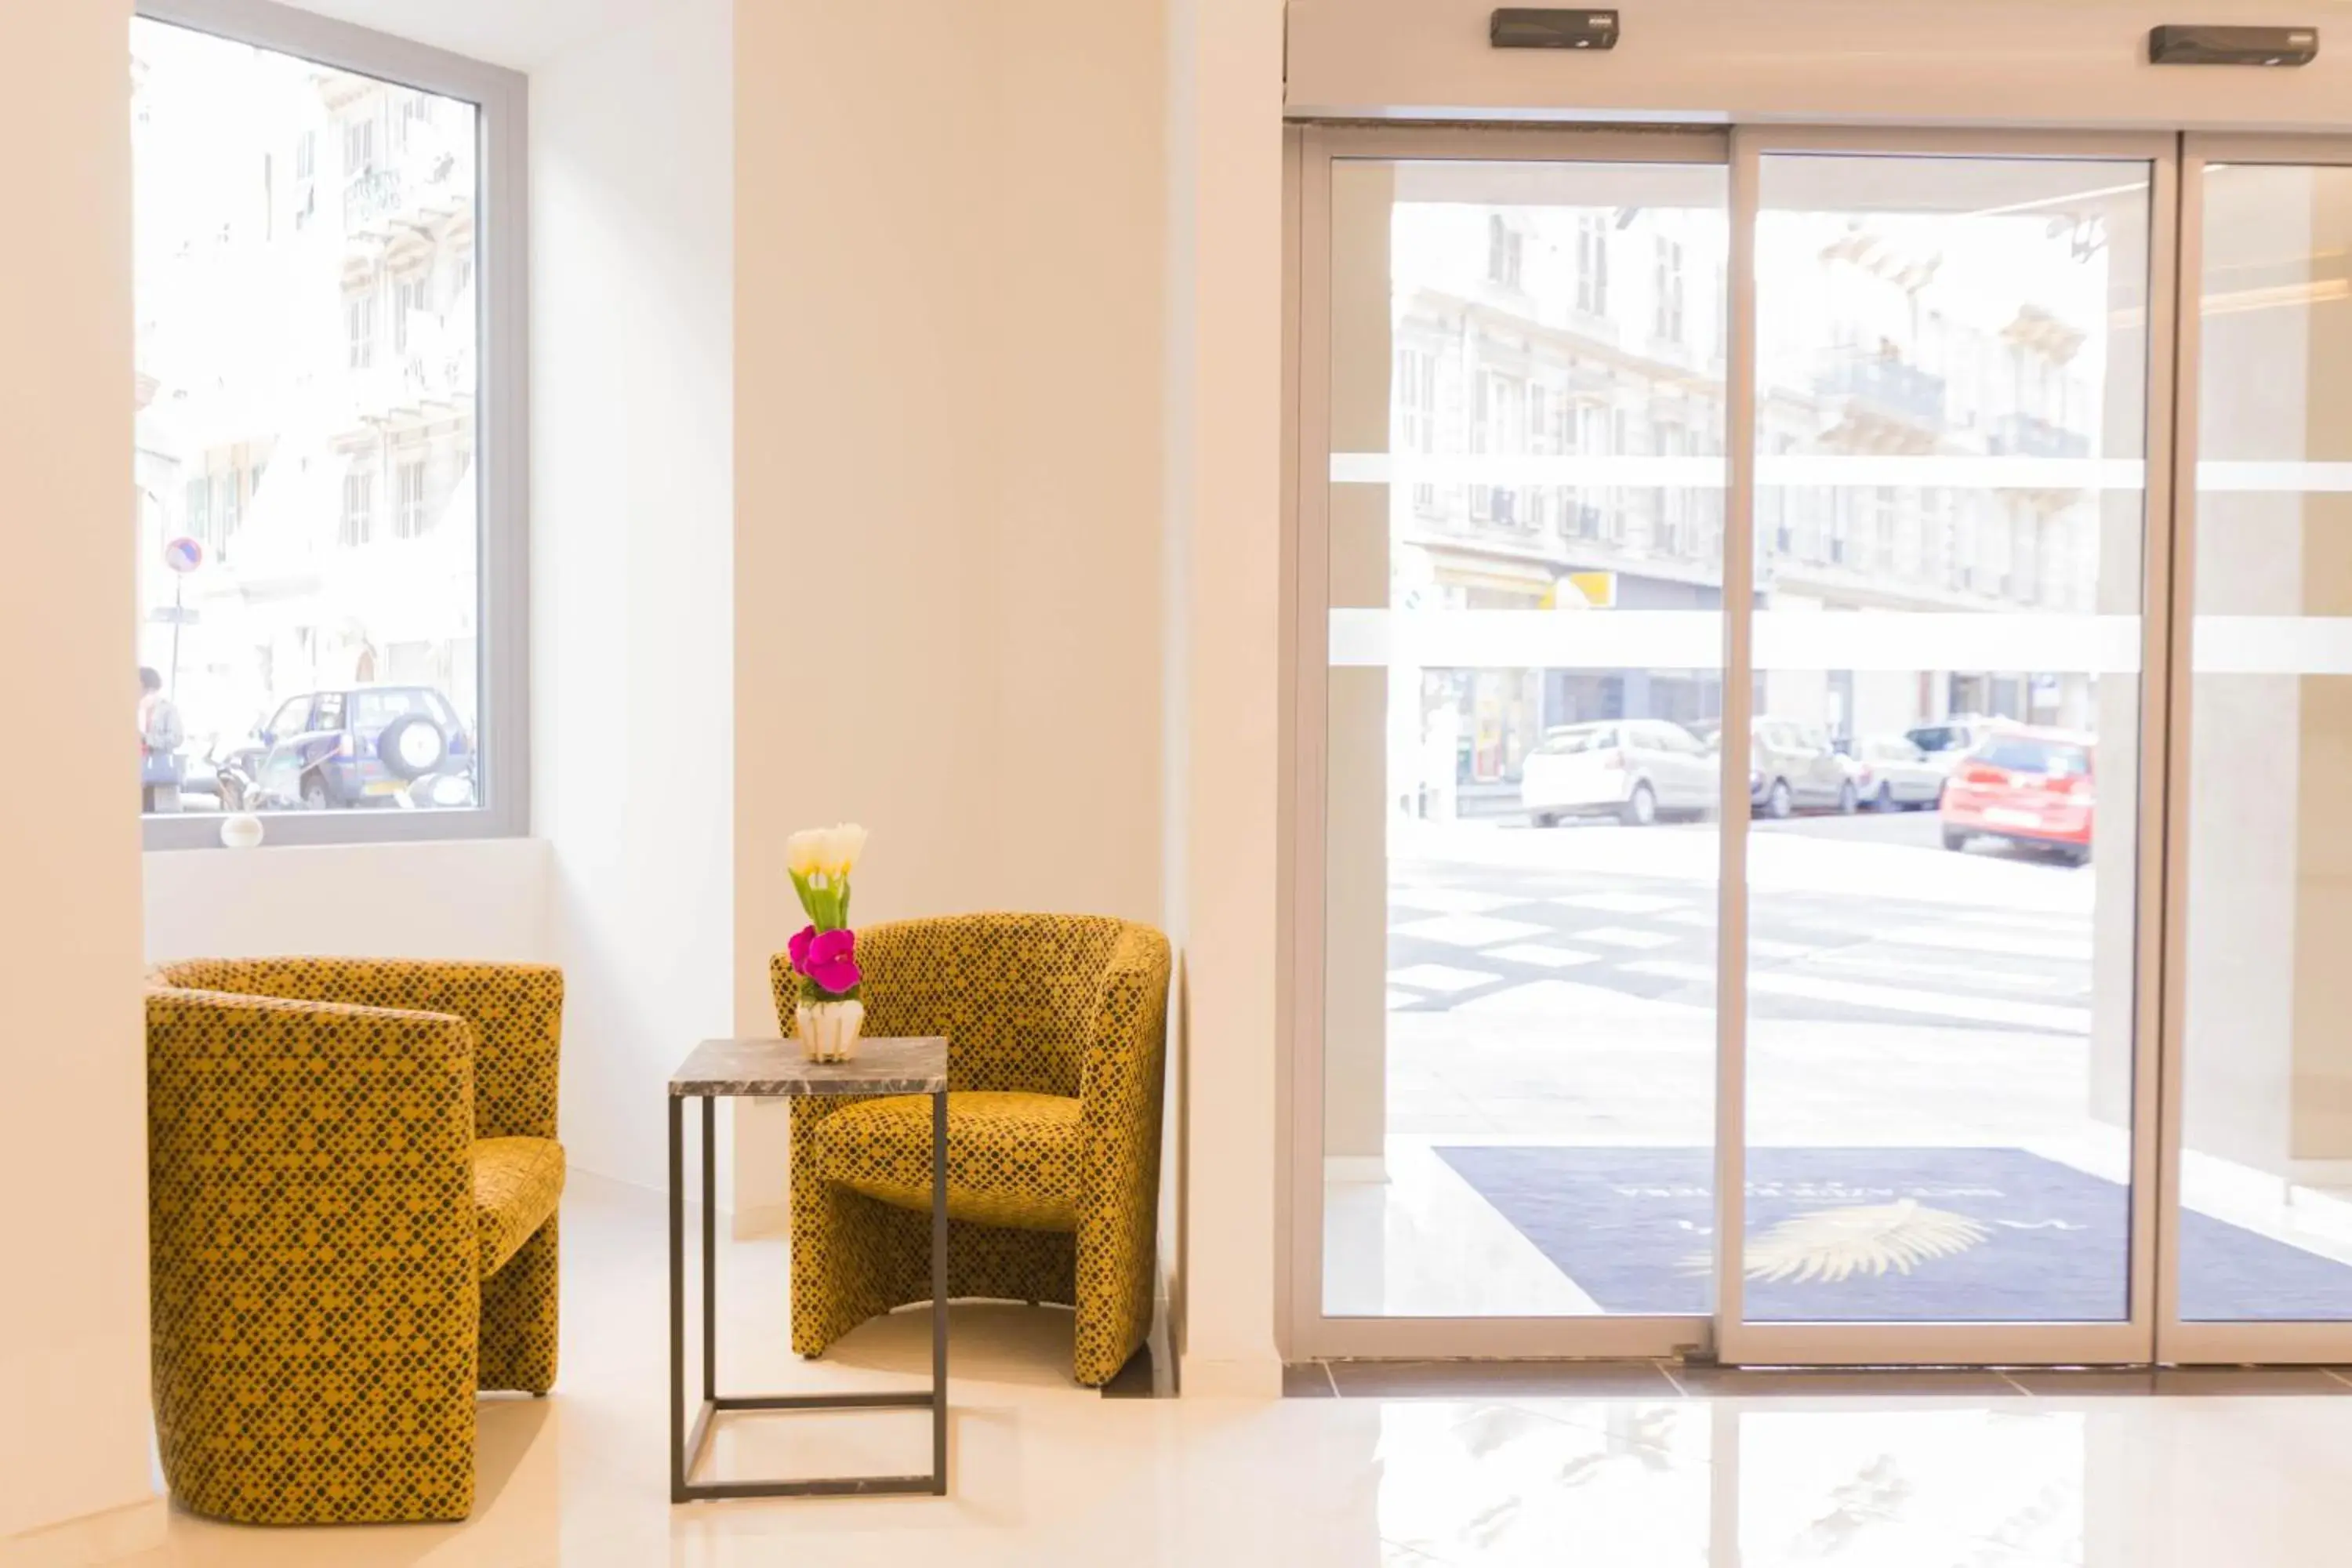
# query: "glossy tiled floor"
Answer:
x=1640 y=1465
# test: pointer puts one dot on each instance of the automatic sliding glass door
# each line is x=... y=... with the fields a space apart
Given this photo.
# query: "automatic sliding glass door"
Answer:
x=1513 y=565
x=1943 y=953
x=2260 y=1092
x=1816 y=799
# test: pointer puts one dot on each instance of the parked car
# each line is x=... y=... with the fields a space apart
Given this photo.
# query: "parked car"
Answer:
x=1636 y=770
x=1947 y=741
x=1895 y=775
x=363 y=745
x=2025 y=786
x=1793 y=765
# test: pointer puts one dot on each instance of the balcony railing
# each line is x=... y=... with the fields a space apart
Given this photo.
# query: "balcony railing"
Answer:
x=2030 y=435
x=369 y=196
x=1888 y=387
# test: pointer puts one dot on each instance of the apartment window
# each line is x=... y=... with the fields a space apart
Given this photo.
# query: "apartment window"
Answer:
x=1667 y=320
x=1592 y=263
x=359 y=329
x=359 y=510
x=1497 y=426
x=1416 y=404
x=1504 y=248
x=408 y=518
x=411 y=297
x=198 y=522
x=358 y=146
x=223 y=89
x=412 y=111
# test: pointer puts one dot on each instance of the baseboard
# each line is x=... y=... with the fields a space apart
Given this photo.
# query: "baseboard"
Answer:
x=1367 y=1168
x=95 y=1537
x=1205 y=1377
x=761 y=1220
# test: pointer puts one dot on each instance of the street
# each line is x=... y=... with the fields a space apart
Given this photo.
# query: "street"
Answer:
x=1863 y=919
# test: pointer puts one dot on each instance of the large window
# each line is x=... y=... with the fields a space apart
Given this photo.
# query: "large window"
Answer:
x=330 y=406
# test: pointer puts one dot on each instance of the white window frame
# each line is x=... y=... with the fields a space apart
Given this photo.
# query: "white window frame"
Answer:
x=502 y=422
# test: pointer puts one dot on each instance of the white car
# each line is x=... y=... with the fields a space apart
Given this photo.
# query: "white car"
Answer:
x=1636 y=770
x=1945 y=742
x=1896 y=775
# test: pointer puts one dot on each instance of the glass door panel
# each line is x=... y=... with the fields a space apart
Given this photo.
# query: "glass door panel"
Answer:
x=2264 y=1227
x=1951 y=409
x=1523 y=556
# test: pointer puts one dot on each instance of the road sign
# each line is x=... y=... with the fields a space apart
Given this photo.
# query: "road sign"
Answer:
x=183 y=554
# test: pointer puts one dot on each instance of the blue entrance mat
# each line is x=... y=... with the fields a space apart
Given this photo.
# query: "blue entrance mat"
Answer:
x=1880 y=1235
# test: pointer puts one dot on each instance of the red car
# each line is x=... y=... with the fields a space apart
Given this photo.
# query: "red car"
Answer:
x=2028 y=786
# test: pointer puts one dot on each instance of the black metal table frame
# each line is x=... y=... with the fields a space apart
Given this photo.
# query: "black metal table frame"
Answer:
x=686 y=1447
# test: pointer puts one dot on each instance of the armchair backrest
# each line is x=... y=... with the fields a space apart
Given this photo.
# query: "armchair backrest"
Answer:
x=1016 y=994
x=516 y=1012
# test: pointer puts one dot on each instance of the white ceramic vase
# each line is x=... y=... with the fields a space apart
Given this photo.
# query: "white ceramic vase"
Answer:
x=829 y=1030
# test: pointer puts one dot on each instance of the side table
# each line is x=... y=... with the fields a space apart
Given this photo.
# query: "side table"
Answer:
x=763 y=1068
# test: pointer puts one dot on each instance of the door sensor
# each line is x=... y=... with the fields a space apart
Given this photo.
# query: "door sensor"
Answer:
x=1516 y=27
x=2178 y=45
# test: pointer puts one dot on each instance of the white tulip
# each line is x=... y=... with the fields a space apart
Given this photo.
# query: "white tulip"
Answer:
x=842 y=846
x=804 y=852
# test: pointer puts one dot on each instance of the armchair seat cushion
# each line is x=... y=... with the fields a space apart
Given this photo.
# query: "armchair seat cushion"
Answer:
x=1012 y=1158
x=517 y=1183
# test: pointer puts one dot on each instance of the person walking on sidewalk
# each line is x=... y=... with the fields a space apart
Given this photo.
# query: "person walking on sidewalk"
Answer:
x=160 y=740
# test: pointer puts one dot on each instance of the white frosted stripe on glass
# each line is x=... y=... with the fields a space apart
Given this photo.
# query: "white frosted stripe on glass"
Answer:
x=1708 y=473
x=2271 y=645
x=1914 y=640
x=1693 y=639
x=2273 y=479
x=1648 y=639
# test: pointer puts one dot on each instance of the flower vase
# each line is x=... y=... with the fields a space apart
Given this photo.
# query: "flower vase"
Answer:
x=829 y=1030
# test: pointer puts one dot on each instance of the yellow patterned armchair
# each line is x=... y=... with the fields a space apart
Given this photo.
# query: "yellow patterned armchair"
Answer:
x=353 y=1186
x=1055 y=1028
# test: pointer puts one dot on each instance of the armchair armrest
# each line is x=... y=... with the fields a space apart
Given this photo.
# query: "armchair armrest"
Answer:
x=309 y=1215
x=1121 y=1076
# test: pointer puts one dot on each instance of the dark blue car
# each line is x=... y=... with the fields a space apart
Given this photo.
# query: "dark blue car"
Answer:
x=364 y=745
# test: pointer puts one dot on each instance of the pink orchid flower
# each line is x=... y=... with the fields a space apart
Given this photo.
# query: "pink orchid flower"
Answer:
x=829 y=958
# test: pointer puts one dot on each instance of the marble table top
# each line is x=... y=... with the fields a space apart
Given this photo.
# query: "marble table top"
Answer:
x=774 y=1067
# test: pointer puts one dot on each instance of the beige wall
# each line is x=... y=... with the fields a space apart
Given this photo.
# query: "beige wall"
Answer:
x=73 y=1313
x=2025 y=62
x=1226 y=383
x=989 y=258
x=947 y=406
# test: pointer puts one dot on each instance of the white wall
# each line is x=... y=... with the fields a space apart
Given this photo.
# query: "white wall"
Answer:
x=467 y=898
x=632 y=558
x=73 y=1140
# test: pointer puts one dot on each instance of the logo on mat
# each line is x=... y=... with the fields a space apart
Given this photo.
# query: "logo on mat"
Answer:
x=1834 y=1245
